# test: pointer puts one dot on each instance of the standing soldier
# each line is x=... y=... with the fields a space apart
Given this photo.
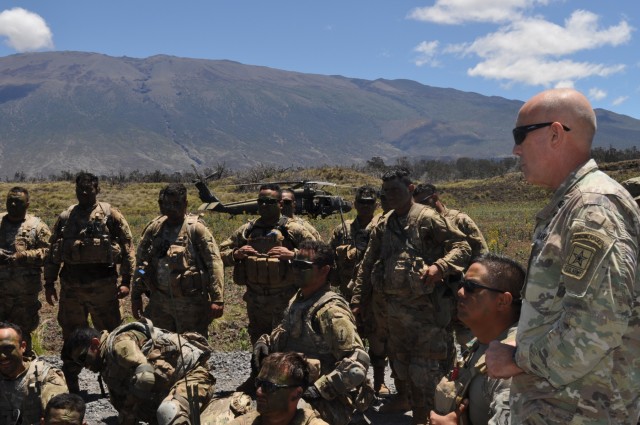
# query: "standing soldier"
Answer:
x=90 y=239
x=24 y=244
x=260 y=252
x=180 y=265
x=289 y=210
x=410 y=255
x=26 y=385
x=349 y=239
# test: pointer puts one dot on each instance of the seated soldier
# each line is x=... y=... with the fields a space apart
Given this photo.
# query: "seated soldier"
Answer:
x=319 y=324
x=489 y=303
x=280 y=384
x=26 y=385
x=64 y=409
x=153 y=375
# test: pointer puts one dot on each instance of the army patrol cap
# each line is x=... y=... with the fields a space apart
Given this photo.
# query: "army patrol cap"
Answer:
x=366 y=194
x=633 y=187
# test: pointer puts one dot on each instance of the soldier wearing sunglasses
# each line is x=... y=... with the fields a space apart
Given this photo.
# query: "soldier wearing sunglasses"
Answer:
x=260 y=252
x=319 y=324
x=489 y=304
x=289 y=210
x=577 y=353
x=280 y=384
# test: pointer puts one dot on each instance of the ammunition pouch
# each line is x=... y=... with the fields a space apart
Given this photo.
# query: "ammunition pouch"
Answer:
x=178 y=258
x=264 y=271
x=89 y=251
x=449 y=394
x=187 y=283
x=406 y=278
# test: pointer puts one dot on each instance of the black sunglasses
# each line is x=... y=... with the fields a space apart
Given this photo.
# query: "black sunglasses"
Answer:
x=287 y=201
x=271 y=387
x=366 y=201
x=470 y=286
x=267 y=201
x=520 y=133
x=299 y=264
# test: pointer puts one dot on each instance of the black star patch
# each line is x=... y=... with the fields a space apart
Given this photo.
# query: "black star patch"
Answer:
x=579 y=260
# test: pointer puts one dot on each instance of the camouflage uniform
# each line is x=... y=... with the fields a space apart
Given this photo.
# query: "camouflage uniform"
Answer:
x=26 y=396
x=488 y=398
x=349 y=242
x=134 y=344
x=20 y=280
x=323 y=329
x=268 y=281
x=579 y=332
x=302 y=417
x=308 y=226
x=90 y=243
x=470 y=229
x=419 y=314
x=184 y=273
x=221 y=411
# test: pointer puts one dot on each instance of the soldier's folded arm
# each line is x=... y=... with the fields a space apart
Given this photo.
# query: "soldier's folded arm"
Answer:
x=230 y=245
x=457 y=251
x=207 y=248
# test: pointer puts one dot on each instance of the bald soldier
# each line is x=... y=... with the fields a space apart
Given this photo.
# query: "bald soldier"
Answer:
x=577 y=353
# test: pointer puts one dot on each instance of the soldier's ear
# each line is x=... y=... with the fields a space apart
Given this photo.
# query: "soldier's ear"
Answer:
x=95 y=343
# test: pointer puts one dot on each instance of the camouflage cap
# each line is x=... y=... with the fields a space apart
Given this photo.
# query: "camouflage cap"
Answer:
x=424 y=191
x=366 y=193
x=633 y=187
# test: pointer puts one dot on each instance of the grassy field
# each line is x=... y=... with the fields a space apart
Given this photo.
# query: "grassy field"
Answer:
x=503 y=207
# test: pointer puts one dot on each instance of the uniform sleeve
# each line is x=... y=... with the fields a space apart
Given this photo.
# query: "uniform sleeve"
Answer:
x=338 y=327
x=363 y=289
x=207 y=249
x=336 y=238
x=125 y=240
x=475 y=238
x=457 y=252
x=36 y=255
x=298 y=233
x=592 y=303
x=499 y=410
x=51 y=268
x=309 y=227
x=127 y=352
x=235 y=241
x=53 y=385
x=143 y=255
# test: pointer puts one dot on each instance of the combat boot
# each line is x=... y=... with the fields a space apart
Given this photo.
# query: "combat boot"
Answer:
x=420 y=416
x=379 y=387
x=398 y=403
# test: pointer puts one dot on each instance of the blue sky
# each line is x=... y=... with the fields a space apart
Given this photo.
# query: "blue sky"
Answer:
x=508 y=48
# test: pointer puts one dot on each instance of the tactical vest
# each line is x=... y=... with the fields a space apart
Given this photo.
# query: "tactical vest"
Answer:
x=20 y=401
x=162 y=350
x=92 y=244
x=26 y=238
x=186 y=276
x=301 y=322
x=263 y=270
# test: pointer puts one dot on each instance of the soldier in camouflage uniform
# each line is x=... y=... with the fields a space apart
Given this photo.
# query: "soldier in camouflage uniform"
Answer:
x=65 y=409
x=281 y=382
x=149 y=371
x=633 y=187
x=427 y=194
x=260 y=252
x=24 y=244
x=319 y=324
x=410 y=254
x=89 y=240
x=180 y=264
x=26 y=385
x=289 y=209
x=349 y=241
x=489 y=303
x=577 y=353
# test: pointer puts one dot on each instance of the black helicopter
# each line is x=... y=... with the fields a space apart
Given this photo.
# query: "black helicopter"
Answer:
x=310 y=200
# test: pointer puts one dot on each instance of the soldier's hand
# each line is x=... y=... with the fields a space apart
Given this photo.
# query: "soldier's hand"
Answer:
x=432 y=275
x=243 y=252
x=449 y=419
x=51 y=294
x=356 y=310
x=260 y=351
x=281 y=253
x=500 y=362
x=136 y=308
x=217 y=309
x=123 y=292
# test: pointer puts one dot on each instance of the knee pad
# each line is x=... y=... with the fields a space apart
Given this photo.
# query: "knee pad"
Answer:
x=168 y=411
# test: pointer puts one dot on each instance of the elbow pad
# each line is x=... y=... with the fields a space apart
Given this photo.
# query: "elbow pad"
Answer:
x=143 y=381
x=349 y=373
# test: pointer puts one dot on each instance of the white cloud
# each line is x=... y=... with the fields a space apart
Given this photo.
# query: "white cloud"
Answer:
x=459 y=11
x=427 y=51
x=597 y=94
x=564 y=84
x=619 y=100
x=531 y=50
x=25 y=31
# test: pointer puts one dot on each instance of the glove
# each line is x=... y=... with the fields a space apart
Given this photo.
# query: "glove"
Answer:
x=260 y=351
x=311 y=393
x=143 y=381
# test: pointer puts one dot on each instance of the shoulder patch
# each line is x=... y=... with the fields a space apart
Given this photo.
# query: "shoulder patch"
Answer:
x=585 y=246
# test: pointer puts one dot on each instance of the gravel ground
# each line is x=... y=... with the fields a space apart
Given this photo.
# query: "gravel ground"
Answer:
x=231 y=369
